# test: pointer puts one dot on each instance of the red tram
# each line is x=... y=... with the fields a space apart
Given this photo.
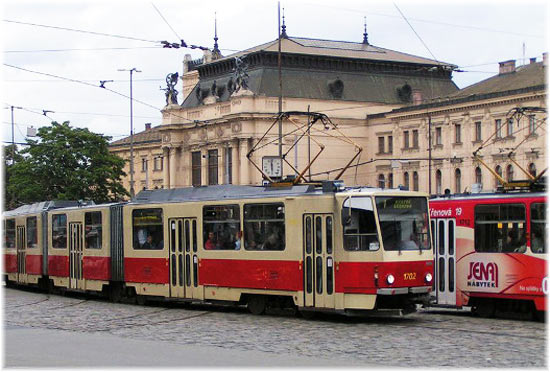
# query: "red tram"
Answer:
x=490 y=252
x=312 y=248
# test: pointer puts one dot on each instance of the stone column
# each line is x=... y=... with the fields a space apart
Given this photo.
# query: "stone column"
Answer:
x=166 y=166
x=173 y=167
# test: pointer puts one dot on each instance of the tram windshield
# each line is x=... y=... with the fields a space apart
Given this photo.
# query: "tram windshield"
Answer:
x=403 y=222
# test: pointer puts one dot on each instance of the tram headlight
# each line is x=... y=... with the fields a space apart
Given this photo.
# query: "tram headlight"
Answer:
x=428 y=278
x=390 y=279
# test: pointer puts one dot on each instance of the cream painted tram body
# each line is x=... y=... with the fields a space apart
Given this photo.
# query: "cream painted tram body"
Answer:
x=327 y=249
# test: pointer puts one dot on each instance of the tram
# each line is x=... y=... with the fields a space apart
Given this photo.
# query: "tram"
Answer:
x=315 y=248
x=490 y=252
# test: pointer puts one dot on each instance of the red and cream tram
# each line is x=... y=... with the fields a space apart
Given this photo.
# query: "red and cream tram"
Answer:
x=324 y=248
x=490 y=252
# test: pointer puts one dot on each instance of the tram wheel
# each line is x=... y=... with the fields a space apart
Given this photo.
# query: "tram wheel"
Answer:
x=485 y=309
x=256 y=304
x=308 y=314
x=540 y=316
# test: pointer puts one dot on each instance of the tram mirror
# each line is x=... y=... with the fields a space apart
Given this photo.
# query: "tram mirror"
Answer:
x=346 y=212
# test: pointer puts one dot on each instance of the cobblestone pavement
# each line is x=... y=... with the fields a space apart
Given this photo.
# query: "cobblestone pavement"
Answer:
x=428 y=338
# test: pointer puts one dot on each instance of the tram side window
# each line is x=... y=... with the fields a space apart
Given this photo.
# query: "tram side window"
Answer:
x=147 y=228
x=93 y=230
x=59 y=231
x=32 y=232
x=9 y=233
x=500 y=228
x=360 y=233
x=538 y=231
x=264 y=227
x=221 y=227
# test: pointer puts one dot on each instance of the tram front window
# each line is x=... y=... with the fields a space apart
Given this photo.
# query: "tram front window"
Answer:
x=403 y=222
x=360 y=232
x=538 y=231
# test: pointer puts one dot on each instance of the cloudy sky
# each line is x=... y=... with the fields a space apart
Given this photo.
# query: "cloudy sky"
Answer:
x=56 y=69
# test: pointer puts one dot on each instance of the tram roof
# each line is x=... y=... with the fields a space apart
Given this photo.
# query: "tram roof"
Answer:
x=40 y=207
x=232 y=192
x=221 y=192
x=490 y=195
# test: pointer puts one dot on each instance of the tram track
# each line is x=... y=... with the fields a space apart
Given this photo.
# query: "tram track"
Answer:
x=28 y=304
x=154 y=323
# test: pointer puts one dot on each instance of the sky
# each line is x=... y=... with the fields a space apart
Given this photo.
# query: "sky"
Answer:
x=59 y=70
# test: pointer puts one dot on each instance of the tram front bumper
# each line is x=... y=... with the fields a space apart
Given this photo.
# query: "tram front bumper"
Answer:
x=403 y=290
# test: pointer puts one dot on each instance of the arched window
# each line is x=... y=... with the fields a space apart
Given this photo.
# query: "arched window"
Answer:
x=381 y=181
x=533 y=169
x=390 y=181
x=438 y=182
x=415 y=181
x=498 y=170
x=509 y=173
x=406 y=179
x=478 y=175
x=458 y=181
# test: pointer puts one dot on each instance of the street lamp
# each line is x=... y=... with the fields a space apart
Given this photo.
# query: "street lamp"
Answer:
x=132 y=191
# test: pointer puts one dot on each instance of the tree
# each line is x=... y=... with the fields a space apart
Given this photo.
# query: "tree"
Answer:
x=67 y=163
x=10 y=156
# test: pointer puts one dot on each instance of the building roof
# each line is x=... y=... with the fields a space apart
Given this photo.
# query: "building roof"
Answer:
x=147 y=136
x=341 y=49
x=522 y=77
x=527 y=78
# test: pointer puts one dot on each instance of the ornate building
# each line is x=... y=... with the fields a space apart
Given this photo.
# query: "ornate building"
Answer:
x=377 y=97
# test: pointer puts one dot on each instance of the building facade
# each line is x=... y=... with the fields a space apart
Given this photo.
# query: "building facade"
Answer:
x=383 y=101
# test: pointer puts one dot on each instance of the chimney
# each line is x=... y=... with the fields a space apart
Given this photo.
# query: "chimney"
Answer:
x=532 y=60
x=507 y=67
x=147 y=126
x=544 y=59
x=417 y=96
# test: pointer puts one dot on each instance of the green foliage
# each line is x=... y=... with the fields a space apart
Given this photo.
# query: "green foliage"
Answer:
x=66 y=163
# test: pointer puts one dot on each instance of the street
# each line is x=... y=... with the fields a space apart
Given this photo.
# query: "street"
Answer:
x=43 y=330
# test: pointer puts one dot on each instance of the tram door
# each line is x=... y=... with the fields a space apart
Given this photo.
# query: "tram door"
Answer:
x=445 y=273
x=183 y=258
x=21 y=243
x=318 y=230
x=75 y=256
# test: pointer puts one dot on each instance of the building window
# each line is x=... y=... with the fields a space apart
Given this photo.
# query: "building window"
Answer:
x=390 y=144
x=510 y=127
x=144 y=165
x=509 y=173
x=212 y=167
x=264 y=227
x=158 y=163
x=415 y=138
x=381 y=181
x=406 y=139
x=415 y=181
x=532 y=124
x=438 y=138
x=406 y=180
x=478 y=175
x=380 y=145
x=458 y=133
x=438 y=182
x=498 y=128
x=478 y=130
x=147 y=228
x=32 y=232
x=390 y=181
x=498 y=171
x=458 y=180
x=533 y=169
x=196 y=168
x=221 y=227
x=59 y=231
x=228 y=165
x=93 y=230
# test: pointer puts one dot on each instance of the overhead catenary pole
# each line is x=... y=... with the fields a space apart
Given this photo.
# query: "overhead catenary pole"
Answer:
x=280 y=85
x=13 y=133
x=132 y=189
